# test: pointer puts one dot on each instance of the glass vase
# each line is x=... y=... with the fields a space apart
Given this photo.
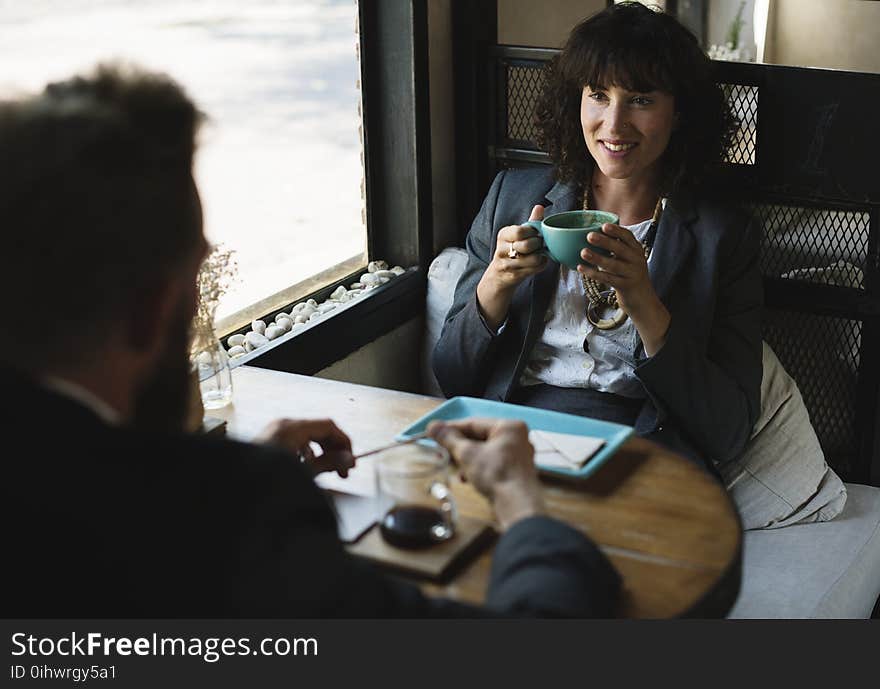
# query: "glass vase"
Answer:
x=215 y=377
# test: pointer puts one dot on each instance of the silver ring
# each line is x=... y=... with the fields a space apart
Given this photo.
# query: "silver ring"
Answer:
x=511 y=252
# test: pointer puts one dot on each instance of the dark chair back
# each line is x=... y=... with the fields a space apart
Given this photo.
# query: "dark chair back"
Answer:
x=805 y=158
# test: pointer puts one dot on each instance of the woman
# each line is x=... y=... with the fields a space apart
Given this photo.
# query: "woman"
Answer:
x=664 y=334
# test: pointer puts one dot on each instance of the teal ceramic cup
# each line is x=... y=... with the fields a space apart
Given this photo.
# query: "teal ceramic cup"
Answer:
x=565 y=234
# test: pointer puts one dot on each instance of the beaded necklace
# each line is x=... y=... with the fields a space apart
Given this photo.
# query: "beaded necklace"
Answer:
x=601 y=297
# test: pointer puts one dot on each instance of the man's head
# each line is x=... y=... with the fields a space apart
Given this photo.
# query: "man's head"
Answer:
x=102 y=226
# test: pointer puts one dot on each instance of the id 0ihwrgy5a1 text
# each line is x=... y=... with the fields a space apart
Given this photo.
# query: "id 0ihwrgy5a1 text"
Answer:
x=73 y=674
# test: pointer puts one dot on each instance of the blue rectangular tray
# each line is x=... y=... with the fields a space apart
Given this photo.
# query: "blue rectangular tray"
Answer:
x=538 y=419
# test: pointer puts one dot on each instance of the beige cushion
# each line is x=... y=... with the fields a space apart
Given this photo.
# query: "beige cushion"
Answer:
x=782 y=478
x=815 y=570
x=443 y=275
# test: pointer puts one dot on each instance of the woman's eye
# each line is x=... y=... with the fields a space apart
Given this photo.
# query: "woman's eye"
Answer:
x=597 y=95
x=642 y=100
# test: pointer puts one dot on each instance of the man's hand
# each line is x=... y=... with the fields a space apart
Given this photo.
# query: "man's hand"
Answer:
x=498 y=459
x=297 y=436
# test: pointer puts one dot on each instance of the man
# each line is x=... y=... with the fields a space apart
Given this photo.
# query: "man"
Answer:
x=111 y=512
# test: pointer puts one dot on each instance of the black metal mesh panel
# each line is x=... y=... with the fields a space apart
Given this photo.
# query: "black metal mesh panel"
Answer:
x=815 y=245
x=822 y=355
x=524 y=84
x=743 y=102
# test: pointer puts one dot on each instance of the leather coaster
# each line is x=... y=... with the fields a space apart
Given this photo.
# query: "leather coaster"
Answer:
x=437 y=562
x=213 y=426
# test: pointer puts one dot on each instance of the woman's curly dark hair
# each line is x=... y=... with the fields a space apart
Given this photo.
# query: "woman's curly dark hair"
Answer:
x=639 y=49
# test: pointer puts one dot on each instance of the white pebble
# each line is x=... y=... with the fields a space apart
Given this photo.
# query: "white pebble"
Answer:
x=398 y=270
x=237 y=350
x=315 y=316
x=273 y=332
x=296 y=309
x=255 y=340
x=385 y=274
x=373 y=266
x=235 y=340
x=259 y=327
x=338 y=293
x=281 y=315
x=248 y=347
x=355 y=293
x=298 y=324
x=312 y=303
x=356 y=285
x=326 y=306
x=301 y=318
x=368 y=279
x=285 y=324
x=382 y=281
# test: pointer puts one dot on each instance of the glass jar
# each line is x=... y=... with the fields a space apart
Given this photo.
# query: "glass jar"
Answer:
x=215 y=377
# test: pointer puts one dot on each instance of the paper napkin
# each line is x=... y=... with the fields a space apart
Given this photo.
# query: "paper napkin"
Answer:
x=563 y=450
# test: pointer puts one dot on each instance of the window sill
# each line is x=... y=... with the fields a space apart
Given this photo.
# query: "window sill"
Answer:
x=324 y=282
x=315 y=346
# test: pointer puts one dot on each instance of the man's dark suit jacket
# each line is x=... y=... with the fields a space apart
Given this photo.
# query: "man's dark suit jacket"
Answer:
x=110 y=522
x=703 y=388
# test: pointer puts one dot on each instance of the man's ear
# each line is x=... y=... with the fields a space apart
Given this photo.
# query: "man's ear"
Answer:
x=151 y=316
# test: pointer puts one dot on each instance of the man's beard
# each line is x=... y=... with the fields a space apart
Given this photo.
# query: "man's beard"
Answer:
x=162 y=401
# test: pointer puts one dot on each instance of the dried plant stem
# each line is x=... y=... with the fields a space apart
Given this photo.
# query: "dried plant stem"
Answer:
x=216 y=275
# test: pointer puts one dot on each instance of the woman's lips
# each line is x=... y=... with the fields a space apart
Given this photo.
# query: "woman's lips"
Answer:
x=617 y=149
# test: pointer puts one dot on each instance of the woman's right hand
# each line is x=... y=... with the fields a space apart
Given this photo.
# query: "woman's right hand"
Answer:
x=504 y=273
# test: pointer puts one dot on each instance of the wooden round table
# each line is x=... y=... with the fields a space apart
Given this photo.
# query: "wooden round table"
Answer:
x=667 y=525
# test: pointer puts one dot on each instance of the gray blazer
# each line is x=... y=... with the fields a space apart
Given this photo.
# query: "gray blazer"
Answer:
x=704 y=384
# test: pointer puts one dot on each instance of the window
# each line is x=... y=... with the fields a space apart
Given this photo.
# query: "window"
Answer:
x=280 y=162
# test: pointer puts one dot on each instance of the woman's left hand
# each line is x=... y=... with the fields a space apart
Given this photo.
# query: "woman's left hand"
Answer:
x=627 y=272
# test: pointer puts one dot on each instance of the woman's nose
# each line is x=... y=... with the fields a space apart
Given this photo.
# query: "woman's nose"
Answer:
x=616 y=119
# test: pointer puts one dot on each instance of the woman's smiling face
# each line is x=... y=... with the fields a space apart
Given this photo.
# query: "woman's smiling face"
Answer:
x=626 y=131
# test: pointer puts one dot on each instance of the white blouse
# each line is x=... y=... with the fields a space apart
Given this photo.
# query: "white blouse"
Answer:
x=558 y=357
